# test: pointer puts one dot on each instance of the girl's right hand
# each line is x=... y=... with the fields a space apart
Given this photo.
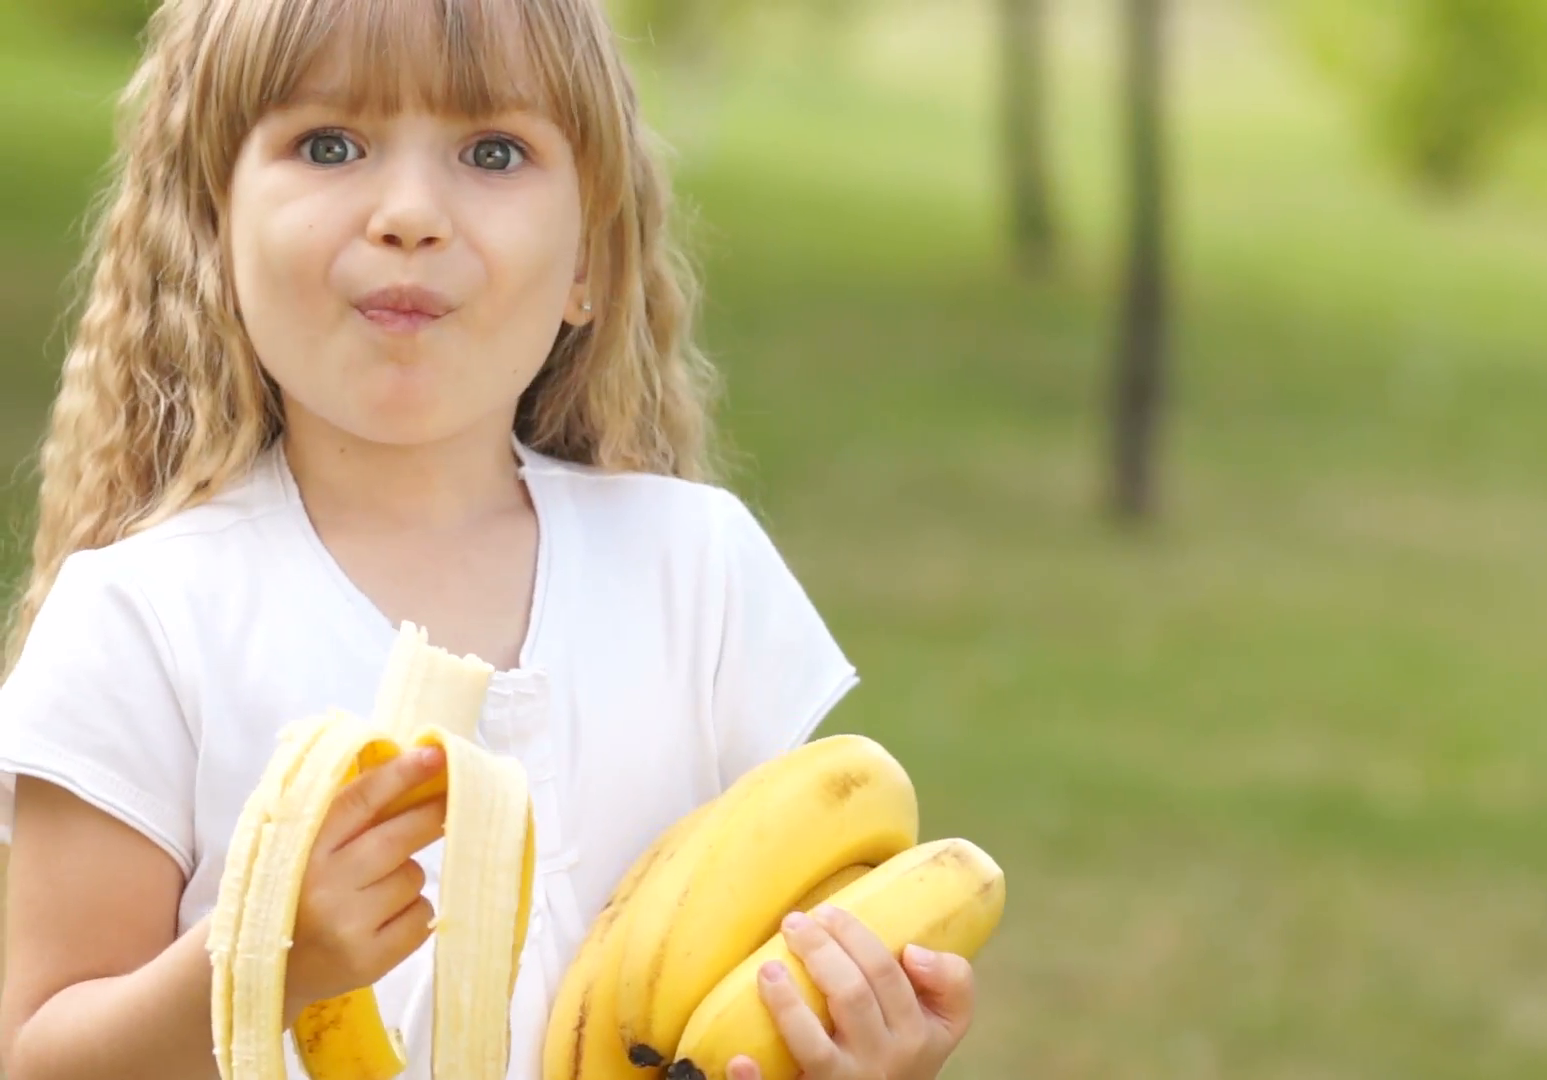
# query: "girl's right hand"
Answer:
x=362 y=911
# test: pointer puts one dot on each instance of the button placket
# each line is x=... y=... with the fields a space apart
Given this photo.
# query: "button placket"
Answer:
x=518 y=723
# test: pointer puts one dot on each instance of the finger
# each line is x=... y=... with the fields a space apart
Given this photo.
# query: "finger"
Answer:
x=946 y=987
x=742 y=1068
x=392 y=895
x=381 y=849
x=889 y=983
x=804 y=1036
x=403 y=935
x=856 y=1014
x=360 y=802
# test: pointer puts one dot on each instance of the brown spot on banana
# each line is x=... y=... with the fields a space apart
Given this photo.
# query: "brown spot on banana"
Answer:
x=841 y=786
x=580 y=1023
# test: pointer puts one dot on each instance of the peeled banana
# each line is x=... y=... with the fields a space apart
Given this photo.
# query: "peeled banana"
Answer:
x=721 y=890
x=946 y=895
x=426 y=696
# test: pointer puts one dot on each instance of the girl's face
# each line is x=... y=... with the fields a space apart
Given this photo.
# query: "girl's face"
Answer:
x=403 y=278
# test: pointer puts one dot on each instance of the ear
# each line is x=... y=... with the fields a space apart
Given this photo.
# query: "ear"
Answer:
x=578 y=311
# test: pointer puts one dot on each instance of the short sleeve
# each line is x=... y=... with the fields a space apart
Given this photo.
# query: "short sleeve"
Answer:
x=780 y=671
x=91 y=706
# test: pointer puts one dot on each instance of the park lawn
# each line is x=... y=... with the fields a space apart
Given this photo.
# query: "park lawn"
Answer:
x=1266 y=779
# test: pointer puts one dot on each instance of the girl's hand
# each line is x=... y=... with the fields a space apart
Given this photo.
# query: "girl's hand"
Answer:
x=362 y=911
x=892 y=1021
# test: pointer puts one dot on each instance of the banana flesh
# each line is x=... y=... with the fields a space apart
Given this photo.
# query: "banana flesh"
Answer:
x=946 y=895
x=421 y=681
x=773 y=836
x=426 y=697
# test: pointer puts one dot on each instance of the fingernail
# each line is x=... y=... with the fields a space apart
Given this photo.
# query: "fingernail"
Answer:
x=824 y=913
x=430 y=756
x=773 y=971
x=919 y=957
x=796 y=921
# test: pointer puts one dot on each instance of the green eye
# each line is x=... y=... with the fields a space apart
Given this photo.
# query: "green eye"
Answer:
x=497 y=154
x=326 y=149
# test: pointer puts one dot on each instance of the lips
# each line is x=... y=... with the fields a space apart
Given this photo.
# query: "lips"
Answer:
x=403 y=307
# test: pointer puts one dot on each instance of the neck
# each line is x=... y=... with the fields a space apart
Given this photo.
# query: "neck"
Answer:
x=427 y=486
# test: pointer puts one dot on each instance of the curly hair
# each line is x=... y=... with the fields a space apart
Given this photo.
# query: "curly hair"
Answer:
x=162 y=401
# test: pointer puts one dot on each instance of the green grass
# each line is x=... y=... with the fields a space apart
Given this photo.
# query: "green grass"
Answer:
x=1267 y=780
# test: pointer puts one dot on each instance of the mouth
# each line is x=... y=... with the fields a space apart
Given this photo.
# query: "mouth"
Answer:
x=404 y=308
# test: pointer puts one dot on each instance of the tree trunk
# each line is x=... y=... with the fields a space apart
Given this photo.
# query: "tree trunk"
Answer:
x=1023 y=28
x=1141 y=356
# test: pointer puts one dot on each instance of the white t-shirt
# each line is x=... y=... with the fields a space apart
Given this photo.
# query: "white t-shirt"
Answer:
x=670 y=650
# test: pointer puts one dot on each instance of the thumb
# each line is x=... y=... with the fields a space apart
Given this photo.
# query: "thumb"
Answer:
x=945 y=986
x=381 y=792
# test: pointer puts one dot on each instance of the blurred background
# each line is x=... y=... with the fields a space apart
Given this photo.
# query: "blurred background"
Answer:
x=1152 y=395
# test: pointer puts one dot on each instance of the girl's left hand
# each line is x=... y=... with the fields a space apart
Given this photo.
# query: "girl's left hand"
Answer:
x=892 y=1021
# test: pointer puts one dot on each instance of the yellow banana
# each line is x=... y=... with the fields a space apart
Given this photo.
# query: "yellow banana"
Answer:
x=427 y=697
x=581 y=1041
x=777 y=833
x=344 y=1037
x=582 y=1038
x=946 y=895
x=848 y=875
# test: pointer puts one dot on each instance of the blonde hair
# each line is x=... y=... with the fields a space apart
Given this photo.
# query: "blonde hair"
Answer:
x=163 y=401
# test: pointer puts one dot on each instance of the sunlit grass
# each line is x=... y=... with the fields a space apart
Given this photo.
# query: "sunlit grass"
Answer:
x=1267 y=780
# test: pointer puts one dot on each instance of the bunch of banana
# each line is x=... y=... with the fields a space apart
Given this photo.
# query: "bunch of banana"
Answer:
x=426 y=696
x=665 y=984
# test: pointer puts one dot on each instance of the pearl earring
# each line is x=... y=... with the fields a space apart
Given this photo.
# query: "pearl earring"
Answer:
x=586 y=307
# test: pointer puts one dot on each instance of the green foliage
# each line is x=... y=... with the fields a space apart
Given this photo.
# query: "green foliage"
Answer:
x=679 y=28
x=1443 y=83
x=708 y=32
x=116 y=19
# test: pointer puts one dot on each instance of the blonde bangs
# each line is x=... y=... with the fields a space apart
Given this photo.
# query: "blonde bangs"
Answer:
x=471 y=58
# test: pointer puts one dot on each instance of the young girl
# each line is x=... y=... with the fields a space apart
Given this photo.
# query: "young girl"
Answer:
x=386 y=325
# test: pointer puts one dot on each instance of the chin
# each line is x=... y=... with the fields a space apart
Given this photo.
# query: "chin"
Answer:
x=404 y=407
x=398 y=423
x=391 y=404
x=403 y=431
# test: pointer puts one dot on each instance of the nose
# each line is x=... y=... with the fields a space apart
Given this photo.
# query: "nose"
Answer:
x=410 y=213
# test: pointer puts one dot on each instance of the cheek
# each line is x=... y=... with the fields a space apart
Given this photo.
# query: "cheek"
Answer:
x=280 y=270
x=279 y=255
x=528 y=238
x=286 y=262
x=529 y=260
